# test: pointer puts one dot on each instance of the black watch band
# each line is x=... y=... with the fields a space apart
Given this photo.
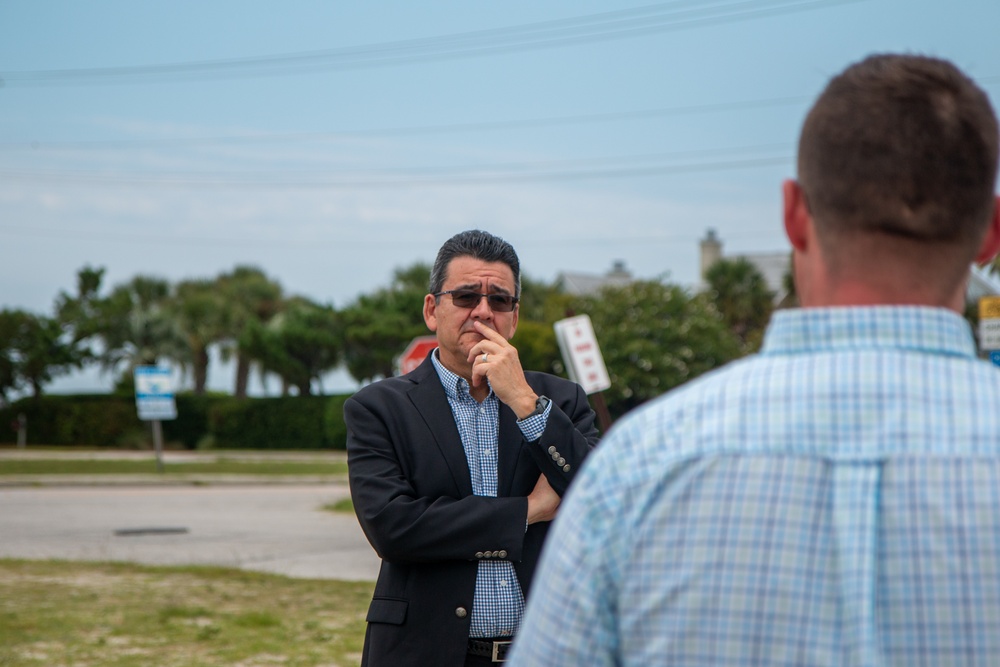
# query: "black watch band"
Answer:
x=541 y=404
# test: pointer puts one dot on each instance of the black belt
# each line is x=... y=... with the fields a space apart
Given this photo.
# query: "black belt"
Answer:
x=494 y=649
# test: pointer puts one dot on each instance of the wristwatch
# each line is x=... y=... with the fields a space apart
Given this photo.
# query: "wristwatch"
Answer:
x=541 y=404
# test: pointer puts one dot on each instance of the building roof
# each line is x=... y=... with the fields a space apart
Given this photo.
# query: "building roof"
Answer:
x=586 y=284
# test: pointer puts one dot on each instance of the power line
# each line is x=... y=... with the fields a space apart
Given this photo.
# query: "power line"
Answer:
x=605 y=26
x=412 y=130
x=63 y=233
x=415 y=130
x=552 y=170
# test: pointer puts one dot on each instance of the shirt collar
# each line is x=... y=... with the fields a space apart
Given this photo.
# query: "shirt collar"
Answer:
x=918 y=328
x=455 y=386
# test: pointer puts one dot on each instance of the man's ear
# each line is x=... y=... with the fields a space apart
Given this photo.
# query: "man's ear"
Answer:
x=796 y=214
x=991 y=241
x=430 y=312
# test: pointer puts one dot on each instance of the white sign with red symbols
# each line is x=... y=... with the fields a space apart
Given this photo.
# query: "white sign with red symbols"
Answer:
x=582 y=354
x=415 y=353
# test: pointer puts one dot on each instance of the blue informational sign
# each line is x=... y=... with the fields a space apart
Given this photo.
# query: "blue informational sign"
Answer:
x=995 y=357
x=154 y=393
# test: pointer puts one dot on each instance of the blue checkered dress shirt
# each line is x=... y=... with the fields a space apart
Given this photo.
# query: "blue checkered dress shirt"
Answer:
x=499 y=603
x=834 y=500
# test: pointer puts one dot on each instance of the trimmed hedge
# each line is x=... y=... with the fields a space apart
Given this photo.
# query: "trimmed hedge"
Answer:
x=275 y=423
x=109 y=420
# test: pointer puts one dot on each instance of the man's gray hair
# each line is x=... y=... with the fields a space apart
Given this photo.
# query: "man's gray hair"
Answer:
x=478 y=245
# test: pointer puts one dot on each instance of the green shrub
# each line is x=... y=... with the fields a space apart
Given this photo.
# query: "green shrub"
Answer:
x=92 y=420
x=334 y=428
x=291 y=422
x=110 y=420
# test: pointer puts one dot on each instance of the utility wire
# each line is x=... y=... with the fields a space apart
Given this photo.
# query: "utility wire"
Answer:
x=605 y=26
x=553 y=170
x=63 y=233
x=409 y=130
x=416 y=130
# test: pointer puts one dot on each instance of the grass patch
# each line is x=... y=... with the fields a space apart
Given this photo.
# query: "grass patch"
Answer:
x=345 y=505
x=124 y=615
x=134 y=467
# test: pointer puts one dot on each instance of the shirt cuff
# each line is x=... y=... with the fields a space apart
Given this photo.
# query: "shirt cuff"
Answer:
x=532 y=427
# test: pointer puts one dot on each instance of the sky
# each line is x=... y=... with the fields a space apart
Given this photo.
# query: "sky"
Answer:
x=330 y=143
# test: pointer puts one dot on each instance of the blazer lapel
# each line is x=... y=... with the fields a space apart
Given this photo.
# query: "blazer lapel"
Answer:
x=431 y=403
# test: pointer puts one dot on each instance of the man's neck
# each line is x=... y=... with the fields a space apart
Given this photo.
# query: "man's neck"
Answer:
x=464 y=371
x=860 y=293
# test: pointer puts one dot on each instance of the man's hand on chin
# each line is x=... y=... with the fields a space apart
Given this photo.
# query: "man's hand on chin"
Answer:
x=495 y=358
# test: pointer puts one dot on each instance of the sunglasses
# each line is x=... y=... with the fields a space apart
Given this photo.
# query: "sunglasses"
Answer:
x=499 y=303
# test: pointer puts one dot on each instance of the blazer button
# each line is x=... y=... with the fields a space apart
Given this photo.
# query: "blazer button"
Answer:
x=555 y=456
x=503 y=554
x=552 y=449
x=461 y=612
x=561 y=461
x=566 y=468
x=479 y=554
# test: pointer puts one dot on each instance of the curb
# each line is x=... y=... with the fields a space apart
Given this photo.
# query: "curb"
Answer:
x=13 y=481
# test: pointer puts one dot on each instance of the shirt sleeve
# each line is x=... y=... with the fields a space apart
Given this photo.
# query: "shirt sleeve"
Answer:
x=532 y=427
x=570 y=615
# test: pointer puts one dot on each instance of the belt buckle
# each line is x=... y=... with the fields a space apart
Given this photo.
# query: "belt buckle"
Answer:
x=500 y=651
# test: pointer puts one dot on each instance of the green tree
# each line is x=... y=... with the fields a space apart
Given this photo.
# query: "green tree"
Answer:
x=741 y=295
x=10 y=381
x=79 y=312
x=199 y=312
x=541 y=305
x=378 y=326
x=130 y=326
x=135 y=326
x=248 y=296
x=299 y=344
x=791 y=298
x=654 y=337
x=34 y=349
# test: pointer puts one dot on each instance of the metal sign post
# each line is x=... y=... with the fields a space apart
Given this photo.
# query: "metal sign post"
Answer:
x=154 y=400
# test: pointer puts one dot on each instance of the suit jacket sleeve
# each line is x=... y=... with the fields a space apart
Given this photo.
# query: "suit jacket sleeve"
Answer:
x=407 y=499
x=570 y=433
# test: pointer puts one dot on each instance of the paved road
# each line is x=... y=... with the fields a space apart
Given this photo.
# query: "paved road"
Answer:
x=268 y=528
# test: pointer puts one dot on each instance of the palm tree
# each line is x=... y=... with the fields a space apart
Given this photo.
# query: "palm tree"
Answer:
x=131 y=326
x=378 y=326
x=742 y=298
x=298 y=345
x=198 y=310
x=248 y=297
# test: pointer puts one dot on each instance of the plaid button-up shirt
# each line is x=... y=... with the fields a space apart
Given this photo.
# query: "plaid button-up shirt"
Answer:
x=499 y=602
x=834 y=500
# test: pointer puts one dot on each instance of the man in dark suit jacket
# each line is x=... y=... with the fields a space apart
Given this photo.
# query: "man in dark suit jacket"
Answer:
x=457 y=468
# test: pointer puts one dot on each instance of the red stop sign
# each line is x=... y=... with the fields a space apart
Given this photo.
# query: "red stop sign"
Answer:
x=416 y=352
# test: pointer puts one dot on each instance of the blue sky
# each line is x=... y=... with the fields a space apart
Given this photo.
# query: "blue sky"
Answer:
x=182 y=139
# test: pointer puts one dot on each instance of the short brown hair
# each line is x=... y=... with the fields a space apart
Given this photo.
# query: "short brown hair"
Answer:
x=901 y=145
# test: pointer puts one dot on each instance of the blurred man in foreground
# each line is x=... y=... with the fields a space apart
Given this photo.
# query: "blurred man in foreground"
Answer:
x=834 y=500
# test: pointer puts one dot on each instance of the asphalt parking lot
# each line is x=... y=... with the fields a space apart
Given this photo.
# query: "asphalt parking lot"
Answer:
x=277 y=528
